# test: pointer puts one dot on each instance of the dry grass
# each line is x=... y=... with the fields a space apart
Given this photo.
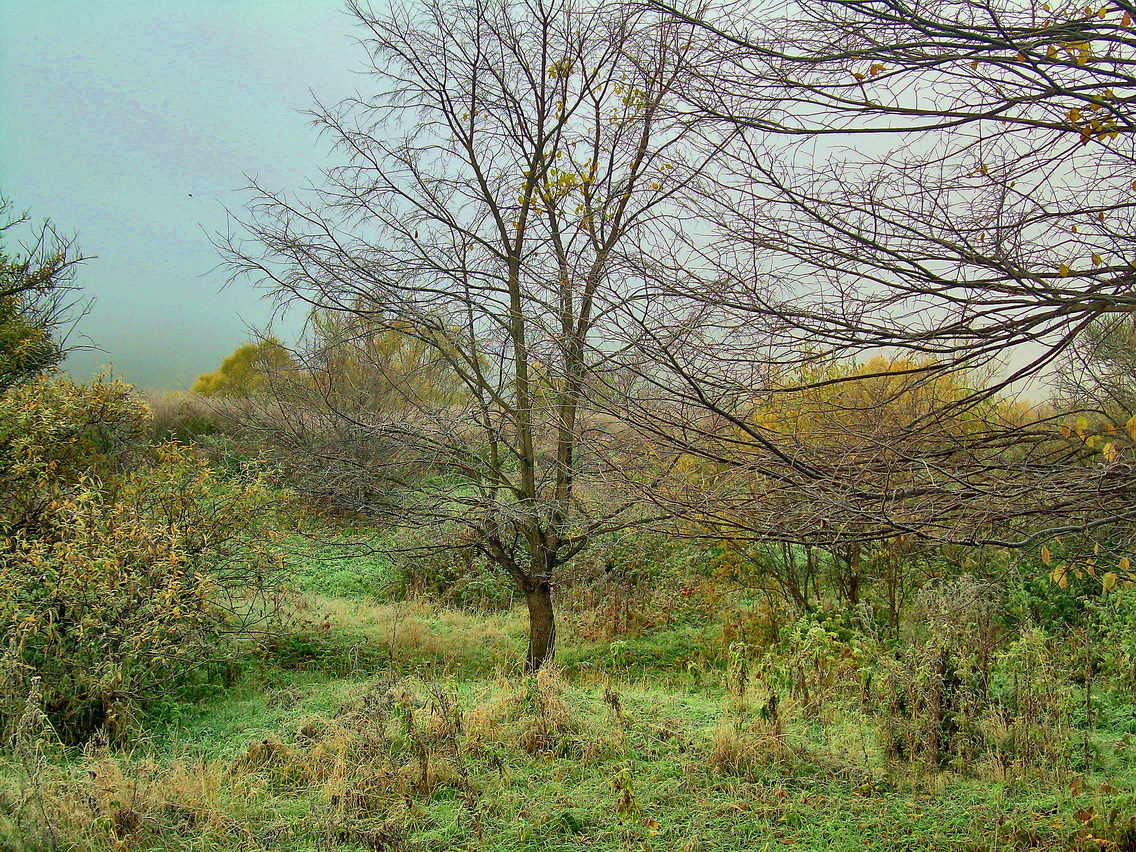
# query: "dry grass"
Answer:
x=122 y=803
x=341 y=638
x=360 y=771
x=748 y=747
x=364 y=772
x=541 y=718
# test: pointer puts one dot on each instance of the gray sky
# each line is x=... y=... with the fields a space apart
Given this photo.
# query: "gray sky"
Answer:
x=131 y=124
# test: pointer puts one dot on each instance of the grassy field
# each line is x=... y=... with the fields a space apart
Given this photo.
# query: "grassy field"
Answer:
x=408 y=726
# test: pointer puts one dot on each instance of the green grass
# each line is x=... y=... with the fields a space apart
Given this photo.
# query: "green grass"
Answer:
x=338 y=569
x=631 y=745
x=566 y=793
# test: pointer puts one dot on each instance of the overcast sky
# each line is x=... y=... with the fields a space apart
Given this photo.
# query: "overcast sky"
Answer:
x=131 y=124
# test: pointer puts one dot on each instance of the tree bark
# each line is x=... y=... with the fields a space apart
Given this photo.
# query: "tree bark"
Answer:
x=542 y=626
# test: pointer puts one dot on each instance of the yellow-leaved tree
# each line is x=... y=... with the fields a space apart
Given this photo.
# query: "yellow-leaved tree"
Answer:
x=246 y=371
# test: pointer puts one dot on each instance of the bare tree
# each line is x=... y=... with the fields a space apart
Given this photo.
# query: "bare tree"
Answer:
x=950 y=183
x=497 y=195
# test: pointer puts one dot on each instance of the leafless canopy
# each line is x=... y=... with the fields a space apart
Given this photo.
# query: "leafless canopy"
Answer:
x=947 y=184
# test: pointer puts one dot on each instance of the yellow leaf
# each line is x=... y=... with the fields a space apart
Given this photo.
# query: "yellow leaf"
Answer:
x=974 y=65
x=1097 y=260
x=1063 y=270
x=1066 y=432
x=1108 y=581
x=1125 y=20
x=1131 y=427
x=1046 y=556
x=1051 y=52
x=1124 y=564
x=1109 y=452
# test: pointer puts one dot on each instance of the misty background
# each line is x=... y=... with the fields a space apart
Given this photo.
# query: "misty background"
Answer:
x=133 y=126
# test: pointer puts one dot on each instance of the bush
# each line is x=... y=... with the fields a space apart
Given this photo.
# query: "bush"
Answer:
x=122 y=564
x=57 y=438
x=441 y=566
x=183 y=417
x=966 y=694
x=627 y=584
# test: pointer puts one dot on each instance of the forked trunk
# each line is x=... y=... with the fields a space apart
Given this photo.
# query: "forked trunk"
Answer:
x=542 y=626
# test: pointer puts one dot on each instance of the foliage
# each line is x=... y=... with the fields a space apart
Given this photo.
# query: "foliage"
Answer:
x=818 y=454
x=34 y=291
x=454 y=576
x=124 y=564
x=246 y=371
x=361 y=363
x=26 y=346
x=58 y=437
x=962 y=694
x=631 y=583
x=339 y=423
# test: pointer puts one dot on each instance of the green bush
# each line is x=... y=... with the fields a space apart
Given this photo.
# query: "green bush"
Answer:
x=440 y=565
x=123 y=565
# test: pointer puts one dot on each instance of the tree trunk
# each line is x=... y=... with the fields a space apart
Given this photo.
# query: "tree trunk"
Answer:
x=542 y=626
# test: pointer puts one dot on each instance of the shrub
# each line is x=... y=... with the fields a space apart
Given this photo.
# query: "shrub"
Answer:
x=56 y=438
x=122 y=564
x=626 y=584
x=935 y=690
x=964 y=694
x=441 y=566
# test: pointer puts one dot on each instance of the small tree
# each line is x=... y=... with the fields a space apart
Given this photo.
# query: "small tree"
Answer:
x=244 y=373
x=122 y=562
x=517 y=160
x=36 y=299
